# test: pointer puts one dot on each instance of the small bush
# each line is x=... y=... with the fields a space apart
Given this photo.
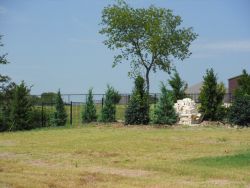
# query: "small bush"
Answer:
x=222 y=113
x=109 y=108
x=60 y=115
x=164 y=112
x=239 y=112
x=138 y=109
x=40 y=119
x=89 y=111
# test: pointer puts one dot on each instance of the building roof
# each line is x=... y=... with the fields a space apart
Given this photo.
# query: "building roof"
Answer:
x=194 y=88
x=235 y=77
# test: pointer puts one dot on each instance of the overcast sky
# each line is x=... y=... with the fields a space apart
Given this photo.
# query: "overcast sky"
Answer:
x=54 y=44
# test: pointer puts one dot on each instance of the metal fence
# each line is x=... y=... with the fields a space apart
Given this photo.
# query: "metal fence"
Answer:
x=228 y=98
x=74 y=112
x=99 y=98
x=47 y=110
x=74 y=104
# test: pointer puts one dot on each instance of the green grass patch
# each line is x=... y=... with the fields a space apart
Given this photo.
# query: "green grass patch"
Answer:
x=240 y=160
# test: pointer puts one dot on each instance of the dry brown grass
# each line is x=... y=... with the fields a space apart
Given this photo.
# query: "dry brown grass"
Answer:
x=117 y=156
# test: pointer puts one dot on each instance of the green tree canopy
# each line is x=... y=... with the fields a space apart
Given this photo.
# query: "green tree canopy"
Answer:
x=149 y=38
x=20 y=108
x=244 y=84
x=211 y=96
x=137 y=112
x=178 y=86
x=60 y=116
x=48 y=97
x=239 y=112
x=3 y=61
x=89 y=109
x=109 y=109
x=164 y=113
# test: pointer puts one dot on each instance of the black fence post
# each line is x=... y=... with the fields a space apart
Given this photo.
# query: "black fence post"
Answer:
x=102 y=102
x=155 y=100
x=71 y=120
x=68 y=98
x=42 y=116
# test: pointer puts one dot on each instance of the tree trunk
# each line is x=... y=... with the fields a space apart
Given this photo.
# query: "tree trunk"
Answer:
x=147 y=86
x=147 y=81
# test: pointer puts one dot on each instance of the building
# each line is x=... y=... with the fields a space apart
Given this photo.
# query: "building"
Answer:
x=233 y=84
x=194 y=89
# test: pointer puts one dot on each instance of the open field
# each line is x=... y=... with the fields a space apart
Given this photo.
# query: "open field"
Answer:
x=118 y=156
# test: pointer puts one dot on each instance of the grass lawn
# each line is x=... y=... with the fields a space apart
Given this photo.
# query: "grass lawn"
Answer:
x=118 y=156
x=78 y=109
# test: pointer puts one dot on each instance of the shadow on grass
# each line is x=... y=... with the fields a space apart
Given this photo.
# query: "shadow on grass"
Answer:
x=229 y=161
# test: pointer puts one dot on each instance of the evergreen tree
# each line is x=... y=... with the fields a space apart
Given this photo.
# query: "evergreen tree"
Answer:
x=211 y=96
x=243 y=84
x=60 y=115
x=89 y=112
x=109 y=109
x=137 y=111
x=178 y=85
x=20 y=108
x=164 y=112
x=6 y=98
x=239 y=112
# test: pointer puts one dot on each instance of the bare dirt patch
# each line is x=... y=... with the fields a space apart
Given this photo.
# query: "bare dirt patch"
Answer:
x=119 y=171
x=40 y=163
x=7 y=155
x=90 y=178
x=220 y=182
x=7 y=143
x=102 y=154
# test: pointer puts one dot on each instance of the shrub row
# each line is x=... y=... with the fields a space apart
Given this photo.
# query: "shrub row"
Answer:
x=19 y=113
x=211 y=98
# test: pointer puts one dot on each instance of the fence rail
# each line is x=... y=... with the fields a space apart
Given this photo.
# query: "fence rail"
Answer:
x=99 y=98
x=74 y=104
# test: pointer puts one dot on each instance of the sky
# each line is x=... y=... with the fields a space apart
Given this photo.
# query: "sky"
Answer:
x=55 y=44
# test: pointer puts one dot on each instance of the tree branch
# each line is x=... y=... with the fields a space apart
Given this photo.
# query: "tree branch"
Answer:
x=138 y=50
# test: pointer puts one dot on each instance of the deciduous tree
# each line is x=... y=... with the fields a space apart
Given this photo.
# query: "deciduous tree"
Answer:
x=148 y=38
x=3 y=61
